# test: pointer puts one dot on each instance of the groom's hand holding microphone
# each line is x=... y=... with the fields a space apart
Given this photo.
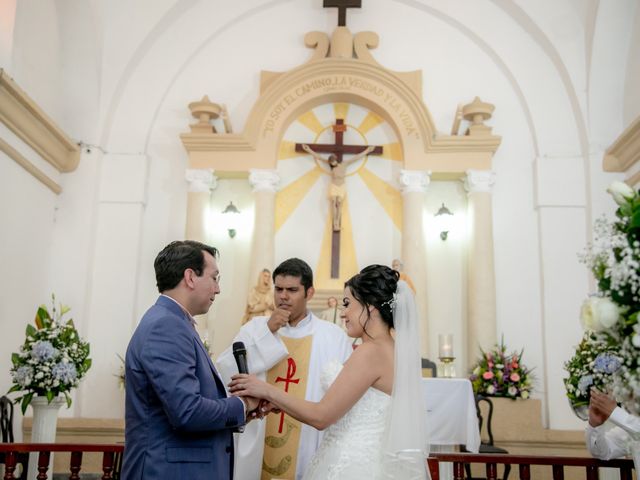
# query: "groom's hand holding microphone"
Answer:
x=256 y=408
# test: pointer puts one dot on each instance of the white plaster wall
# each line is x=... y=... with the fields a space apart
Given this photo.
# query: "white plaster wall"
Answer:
x=127 y=87
x=631 y=102
x=25 y=250
x=7 y=21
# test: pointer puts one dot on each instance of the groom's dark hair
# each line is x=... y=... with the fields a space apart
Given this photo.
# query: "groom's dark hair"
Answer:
x=294 y=267
x=176 y=257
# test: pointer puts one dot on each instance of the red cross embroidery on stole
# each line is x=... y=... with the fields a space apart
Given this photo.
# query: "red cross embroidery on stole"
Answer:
x=291 y=371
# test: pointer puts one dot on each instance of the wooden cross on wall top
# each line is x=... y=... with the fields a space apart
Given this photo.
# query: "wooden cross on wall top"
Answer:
x=342 y=6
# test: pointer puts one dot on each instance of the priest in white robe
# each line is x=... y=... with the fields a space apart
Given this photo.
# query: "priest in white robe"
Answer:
x=288 y=349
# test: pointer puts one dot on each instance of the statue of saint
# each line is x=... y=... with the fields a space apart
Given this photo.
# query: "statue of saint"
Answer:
x=337 y=190
x=332 y=312
x=398 y=266
x=260 y=299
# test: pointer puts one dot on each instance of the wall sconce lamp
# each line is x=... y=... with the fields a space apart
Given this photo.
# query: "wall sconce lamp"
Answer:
x=444 y=219
x=232 y=215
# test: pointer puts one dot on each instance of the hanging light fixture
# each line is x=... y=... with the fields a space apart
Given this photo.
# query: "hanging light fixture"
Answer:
x=231 y=216
x=444 y=219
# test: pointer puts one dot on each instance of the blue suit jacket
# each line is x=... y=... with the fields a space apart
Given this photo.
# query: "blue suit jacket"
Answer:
x=179 y=420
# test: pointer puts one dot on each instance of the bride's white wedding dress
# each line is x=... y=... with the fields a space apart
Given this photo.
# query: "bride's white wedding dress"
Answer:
x=351 y=448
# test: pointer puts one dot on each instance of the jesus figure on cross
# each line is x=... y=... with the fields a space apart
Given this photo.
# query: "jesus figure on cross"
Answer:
x=337 y=190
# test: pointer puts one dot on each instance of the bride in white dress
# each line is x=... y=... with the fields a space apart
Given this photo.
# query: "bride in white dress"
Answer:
x=372 y=410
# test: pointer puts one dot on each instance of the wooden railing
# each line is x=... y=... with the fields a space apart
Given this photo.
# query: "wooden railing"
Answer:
x=524 y=463
x=12 y=452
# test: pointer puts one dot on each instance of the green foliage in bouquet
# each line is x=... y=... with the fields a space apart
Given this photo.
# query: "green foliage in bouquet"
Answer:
x=52 y=359
x=591 y=366
x=501 y=374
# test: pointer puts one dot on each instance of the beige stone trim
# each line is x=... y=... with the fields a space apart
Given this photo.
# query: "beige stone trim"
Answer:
x=625 y=151
x=29 y=167
x=341 y=80
x=633 y=180
x=24 y=118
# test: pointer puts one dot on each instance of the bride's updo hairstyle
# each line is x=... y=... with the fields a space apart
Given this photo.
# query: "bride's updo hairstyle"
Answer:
x=375 y=286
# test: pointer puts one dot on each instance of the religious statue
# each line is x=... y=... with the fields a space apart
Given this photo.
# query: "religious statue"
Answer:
x=332 y=312
x=398 y=266
x=337 y=190
x=260 y=300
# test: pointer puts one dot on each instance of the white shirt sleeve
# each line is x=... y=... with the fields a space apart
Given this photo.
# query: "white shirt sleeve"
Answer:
x=625 y=420
x=604 y=443
x=264 y=350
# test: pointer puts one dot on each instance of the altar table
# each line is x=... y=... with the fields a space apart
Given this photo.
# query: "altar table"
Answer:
x=451 y=417
x=451 y=412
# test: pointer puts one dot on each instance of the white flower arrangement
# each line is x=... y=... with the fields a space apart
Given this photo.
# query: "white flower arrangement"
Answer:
x=611 y=317
x=52 y=359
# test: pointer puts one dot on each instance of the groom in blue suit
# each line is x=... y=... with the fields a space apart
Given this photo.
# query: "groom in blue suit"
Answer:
x=179 y=419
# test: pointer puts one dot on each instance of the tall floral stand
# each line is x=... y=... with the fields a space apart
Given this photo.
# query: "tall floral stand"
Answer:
x=45 y=422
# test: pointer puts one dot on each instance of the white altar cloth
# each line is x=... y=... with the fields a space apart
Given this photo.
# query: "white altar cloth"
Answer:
x=451 y=412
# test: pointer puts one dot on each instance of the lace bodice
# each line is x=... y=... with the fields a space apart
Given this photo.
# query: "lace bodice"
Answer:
x=350 y=448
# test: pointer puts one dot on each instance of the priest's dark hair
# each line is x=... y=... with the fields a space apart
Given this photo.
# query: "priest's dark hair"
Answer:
x=295 y=267
x=375 y=286
x=178 y=256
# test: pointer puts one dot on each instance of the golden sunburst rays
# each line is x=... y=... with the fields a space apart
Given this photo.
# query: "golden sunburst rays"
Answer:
x=287 y=150
x=290 y=197
x=348 y=260
x=369 y=122
x=341 y=110
x=293 y=195
x=311 y=121
x=387 y=195
x=392 y=151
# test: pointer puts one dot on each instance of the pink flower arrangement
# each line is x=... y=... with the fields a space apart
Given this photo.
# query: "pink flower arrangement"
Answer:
x=499 y=374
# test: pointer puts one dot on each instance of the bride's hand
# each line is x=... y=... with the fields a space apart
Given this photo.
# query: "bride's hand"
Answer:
x=248 y=385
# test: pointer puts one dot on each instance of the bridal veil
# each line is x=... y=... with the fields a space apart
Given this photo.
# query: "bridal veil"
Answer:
x=405 y=443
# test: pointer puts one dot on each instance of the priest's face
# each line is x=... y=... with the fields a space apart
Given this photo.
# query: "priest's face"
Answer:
x=289 y=294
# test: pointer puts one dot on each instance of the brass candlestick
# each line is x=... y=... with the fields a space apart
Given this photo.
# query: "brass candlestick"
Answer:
x=447 y=367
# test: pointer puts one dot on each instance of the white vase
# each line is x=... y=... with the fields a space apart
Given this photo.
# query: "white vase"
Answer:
x=43 y=430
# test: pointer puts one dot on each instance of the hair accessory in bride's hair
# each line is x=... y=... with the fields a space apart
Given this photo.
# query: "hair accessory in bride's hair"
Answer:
x=391 y=302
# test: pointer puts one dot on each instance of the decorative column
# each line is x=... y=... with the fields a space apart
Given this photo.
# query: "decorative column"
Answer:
x=201 y=183
x=413 y=184
x=481 y=288
x=264 y=183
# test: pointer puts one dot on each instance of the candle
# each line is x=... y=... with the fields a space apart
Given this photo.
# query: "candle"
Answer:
x=445 y=343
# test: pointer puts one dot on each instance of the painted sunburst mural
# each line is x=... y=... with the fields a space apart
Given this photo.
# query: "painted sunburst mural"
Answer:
x=372 y=210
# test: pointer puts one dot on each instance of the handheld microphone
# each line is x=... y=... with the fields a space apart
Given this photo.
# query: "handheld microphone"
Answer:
x=240 y=354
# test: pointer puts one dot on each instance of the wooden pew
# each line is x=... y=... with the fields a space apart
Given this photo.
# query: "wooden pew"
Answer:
x=111 y=454
x=524 y=463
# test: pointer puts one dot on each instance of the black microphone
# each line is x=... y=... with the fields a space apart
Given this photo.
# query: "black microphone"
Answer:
x=240 y=354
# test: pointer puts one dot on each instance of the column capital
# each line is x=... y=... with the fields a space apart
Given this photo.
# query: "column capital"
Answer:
x=479 y=181
x=414 y=181
x=263 y=180
x=201 y=179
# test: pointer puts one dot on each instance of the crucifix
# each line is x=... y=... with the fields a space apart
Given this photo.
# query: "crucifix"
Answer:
x=342 y=6
x=337 y=191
